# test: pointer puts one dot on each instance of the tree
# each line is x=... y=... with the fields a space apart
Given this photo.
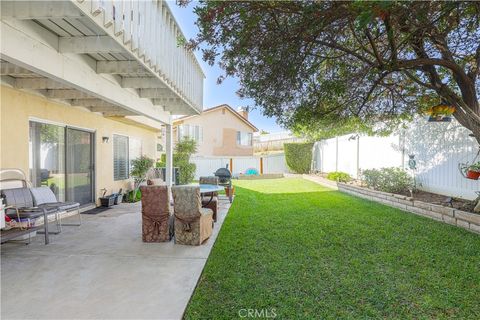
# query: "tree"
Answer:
x=337 y=64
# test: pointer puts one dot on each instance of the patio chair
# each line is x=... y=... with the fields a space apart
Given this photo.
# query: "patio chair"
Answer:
x=44 y=196
x=193 y=224
x=157 y=220
x=20 y=206
x=13 y=178
x=210 y=200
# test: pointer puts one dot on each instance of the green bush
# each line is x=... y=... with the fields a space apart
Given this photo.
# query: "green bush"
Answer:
x=163 y=161
x=181 y=159
x=140 y=166
x=298 y=156
x=393 y=180
x=339 y=176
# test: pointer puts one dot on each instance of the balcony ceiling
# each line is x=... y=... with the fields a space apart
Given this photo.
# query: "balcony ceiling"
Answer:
x=79 y=34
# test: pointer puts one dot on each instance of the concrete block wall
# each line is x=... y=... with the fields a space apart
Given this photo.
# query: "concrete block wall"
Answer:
x=463 y=219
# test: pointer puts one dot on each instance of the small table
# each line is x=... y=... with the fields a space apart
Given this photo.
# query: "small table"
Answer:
x=210 y=189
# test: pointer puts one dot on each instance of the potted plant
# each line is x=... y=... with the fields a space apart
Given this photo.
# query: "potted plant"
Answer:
x=107 y=200
x=140 y=167
x=473 y=171
x=230 y=191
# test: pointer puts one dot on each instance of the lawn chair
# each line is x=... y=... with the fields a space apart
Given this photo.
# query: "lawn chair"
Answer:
x=210 y=200
x=13 y=178
x=44 y=196
x=193 y=224
x=19 y=206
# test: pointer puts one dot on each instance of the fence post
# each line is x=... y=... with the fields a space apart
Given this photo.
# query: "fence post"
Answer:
x=231 y=165
x=261 y=165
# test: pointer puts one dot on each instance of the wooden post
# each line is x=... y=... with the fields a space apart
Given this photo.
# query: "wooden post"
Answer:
x=261 y=165
x=231 y=166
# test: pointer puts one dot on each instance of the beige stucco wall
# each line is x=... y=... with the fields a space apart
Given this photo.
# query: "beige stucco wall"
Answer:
x=220 y=133
x=17 y=107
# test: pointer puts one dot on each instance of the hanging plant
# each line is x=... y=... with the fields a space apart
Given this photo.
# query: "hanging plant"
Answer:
x=440 y=113
x=473 y=171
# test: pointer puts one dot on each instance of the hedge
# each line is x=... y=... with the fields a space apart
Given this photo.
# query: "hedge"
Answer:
x=298 y=156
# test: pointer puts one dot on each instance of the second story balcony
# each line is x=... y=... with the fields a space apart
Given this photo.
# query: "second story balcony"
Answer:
x=122 y=58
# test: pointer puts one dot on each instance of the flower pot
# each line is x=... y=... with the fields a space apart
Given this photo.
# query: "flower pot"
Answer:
x=107 y=201
x=118 y=198
x=229 y=191
x=474 y=175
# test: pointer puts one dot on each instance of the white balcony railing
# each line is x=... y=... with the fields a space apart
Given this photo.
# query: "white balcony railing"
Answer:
x=149 y=30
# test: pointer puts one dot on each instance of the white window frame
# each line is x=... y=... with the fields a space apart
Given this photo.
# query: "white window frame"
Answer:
x=241 y=135
x=192 y=131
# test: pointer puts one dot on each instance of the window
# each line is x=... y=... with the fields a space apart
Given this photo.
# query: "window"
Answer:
x=120 y=157
x=244 y=138
x=194 y=132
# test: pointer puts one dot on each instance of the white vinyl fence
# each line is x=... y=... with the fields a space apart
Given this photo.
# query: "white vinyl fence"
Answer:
x=206 y=166
x=438 y=149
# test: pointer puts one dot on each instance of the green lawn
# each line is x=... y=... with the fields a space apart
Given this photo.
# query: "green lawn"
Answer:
x=309 y=252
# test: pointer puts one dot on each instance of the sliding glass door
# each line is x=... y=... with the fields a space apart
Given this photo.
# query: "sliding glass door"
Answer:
x=79 y=166
x=62 y=159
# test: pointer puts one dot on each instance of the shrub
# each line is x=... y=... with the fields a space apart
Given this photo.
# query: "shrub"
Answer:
x=181 y=159
x=339 y=176
x=140 y=166
x=162 y=163
x=298 y=156
x=393 y=180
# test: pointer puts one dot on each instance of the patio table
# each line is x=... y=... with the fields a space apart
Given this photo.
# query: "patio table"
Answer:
x=206 y=189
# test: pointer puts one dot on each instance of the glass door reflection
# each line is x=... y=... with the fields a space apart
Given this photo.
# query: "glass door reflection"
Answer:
x=47 y=157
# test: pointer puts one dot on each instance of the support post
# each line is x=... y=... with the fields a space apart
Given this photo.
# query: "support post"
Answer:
x=169 y=155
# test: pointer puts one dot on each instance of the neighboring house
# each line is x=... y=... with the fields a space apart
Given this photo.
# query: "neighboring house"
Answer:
x=219 y=131
x=86 y=87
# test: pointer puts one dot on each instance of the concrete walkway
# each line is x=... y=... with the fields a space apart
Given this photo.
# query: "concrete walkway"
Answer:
x=102 y=269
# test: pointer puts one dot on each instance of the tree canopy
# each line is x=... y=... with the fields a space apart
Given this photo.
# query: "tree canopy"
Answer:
x=347 y=65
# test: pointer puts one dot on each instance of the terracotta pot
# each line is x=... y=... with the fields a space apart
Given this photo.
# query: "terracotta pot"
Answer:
x=474 y=175
x=228 y=190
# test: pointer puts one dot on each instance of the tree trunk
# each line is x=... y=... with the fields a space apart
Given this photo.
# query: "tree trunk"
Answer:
x=468 y=119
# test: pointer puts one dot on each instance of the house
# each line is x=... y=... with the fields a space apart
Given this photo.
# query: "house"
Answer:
x=219 y=131
x=87 y=86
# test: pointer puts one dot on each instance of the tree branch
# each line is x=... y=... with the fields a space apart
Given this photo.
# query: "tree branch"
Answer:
x=374 y=48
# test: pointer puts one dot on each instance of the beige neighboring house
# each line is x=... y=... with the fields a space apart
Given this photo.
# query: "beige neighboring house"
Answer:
x=219 y=131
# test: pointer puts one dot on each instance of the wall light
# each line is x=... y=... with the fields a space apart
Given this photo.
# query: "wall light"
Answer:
x=105 y=139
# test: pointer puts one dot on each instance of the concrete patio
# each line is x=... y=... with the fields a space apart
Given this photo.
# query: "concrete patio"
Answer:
x=102 y=270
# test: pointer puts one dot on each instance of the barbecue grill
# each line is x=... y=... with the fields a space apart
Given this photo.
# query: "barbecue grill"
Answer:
x=225 y=178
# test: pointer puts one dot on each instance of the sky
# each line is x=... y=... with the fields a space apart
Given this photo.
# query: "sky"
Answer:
x=215 y=94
